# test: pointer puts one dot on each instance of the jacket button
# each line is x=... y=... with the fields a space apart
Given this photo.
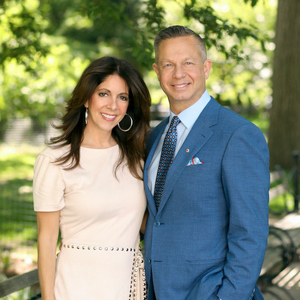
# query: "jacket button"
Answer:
x=156 y=224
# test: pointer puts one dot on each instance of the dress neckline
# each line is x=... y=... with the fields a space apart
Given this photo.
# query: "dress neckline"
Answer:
x=86 y=148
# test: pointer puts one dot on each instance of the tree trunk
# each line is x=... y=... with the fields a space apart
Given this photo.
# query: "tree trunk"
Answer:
x=284 y=131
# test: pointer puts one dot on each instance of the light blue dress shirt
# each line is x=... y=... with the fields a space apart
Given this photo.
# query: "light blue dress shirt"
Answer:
x=187 y=117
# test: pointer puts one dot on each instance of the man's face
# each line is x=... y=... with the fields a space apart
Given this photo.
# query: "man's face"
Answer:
x=181 y=72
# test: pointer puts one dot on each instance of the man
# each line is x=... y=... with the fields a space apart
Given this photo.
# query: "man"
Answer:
x=207 y=227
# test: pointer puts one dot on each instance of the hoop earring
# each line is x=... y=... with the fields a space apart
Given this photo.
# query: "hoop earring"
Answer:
x=86 y=114
x=131 y=123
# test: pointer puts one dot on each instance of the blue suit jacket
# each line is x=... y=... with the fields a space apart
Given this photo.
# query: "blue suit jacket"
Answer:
x=209 y=236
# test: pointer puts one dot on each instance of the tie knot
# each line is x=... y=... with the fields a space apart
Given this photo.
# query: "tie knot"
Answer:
x=175 y=121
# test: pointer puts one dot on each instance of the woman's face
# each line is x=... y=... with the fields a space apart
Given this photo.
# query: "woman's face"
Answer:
x=108 y=104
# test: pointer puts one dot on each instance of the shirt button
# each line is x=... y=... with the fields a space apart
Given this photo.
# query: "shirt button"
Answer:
x=156 y=224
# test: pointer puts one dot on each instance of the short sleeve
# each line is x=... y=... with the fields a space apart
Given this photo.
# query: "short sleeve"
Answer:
x=48 y=185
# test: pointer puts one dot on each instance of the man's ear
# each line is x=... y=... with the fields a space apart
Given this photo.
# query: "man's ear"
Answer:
x=155 y=68
x=207 y=67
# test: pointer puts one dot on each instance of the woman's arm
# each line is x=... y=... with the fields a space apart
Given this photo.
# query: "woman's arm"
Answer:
x=48 y=229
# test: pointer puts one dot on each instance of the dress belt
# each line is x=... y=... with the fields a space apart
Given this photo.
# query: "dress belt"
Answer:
x=99 y=248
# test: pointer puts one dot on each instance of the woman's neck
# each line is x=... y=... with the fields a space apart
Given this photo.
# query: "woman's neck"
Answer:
x=102 y=141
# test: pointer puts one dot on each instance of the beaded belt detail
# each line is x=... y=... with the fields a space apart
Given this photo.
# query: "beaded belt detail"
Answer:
x=138 y=286
x=72 y=246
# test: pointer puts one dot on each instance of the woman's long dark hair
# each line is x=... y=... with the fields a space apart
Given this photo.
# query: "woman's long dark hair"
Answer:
x=131 y=143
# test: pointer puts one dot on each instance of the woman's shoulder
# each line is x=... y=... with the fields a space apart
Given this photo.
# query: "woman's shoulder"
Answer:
x=54 y=152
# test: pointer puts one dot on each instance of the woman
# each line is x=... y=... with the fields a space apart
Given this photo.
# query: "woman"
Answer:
x=89 y=185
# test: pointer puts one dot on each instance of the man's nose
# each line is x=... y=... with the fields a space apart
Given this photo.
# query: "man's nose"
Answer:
x=179 y=71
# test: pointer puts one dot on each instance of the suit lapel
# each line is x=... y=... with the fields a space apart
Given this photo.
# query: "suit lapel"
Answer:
x=198 y=136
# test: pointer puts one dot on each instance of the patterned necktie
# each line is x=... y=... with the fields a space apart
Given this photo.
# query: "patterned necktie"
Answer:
x=166 y=158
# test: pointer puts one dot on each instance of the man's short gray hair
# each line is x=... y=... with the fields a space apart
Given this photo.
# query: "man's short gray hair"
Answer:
x=178 y=31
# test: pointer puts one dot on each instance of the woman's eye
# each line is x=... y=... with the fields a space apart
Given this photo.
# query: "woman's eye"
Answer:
x=123 y=98
x=102 y=94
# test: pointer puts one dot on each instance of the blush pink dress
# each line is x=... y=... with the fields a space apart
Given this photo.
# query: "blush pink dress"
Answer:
x=100 y=219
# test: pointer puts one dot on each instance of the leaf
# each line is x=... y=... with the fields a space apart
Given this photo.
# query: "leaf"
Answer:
x=253 y=2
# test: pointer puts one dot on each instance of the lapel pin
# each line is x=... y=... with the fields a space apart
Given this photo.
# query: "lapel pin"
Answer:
x=187 y=150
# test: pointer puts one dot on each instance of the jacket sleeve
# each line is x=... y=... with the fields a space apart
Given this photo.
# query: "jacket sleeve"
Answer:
x=246 y=182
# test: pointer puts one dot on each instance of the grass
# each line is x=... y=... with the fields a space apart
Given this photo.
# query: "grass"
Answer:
x=18 y=231
x=17 y=162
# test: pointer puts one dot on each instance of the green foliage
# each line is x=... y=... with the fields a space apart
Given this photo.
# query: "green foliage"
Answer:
x=41 y=94
x=128 y=26
x=21 y=295
x=21 y=31
x=45 y=46
x=253 y=2
x=282 y=204
x=244 y=84
x=216 y=29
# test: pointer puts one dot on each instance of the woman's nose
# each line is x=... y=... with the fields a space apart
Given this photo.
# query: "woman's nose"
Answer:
x=112 y=103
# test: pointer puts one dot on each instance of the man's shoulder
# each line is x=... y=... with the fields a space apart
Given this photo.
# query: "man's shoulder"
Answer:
x=233 y=118
x=229 y=120
x=215 y=112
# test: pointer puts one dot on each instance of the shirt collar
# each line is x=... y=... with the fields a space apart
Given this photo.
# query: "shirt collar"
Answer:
x=189 y=116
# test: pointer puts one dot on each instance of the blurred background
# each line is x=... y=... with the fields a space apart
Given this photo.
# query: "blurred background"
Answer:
x=46 y=44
